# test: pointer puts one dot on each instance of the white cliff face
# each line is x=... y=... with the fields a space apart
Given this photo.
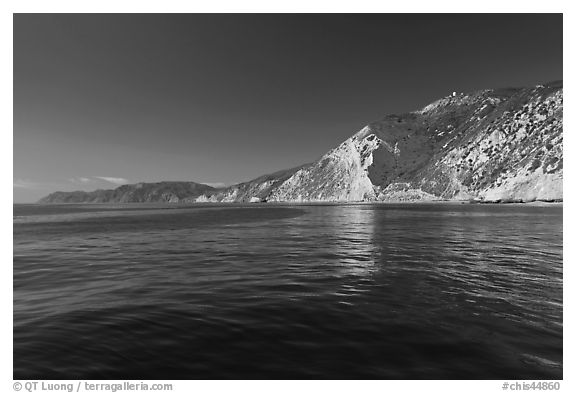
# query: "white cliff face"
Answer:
x=340 y=175
x=527 y=186
x=516 y=157
x=493 y=145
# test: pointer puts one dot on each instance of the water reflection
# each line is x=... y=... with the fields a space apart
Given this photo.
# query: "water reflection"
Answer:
x=350 y=233
x=361 y=291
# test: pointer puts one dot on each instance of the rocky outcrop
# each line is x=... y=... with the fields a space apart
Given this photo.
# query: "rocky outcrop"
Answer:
x=258 y=189
x=490 y=145
x=510 y=150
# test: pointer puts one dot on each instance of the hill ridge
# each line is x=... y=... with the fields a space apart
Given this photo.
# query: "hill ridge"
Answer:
x=489 y=145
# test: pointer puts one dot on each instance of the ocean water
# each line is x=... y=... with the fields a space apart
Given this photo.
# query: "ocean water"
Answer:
x=437 y=291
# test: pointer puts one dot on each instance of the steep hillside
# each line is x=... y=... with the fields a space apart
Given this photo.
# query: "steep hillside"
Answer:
x=490 y=145
x=141 y=192
x=256 y=190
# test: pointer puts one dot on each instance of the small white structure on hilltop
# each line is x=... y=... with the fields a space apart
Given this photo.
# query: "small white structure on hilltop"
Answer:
x=453 y=94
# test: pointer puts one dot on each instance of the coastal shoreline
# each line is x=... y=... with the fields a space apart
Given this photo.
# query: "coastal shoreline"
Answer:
x=300 y=203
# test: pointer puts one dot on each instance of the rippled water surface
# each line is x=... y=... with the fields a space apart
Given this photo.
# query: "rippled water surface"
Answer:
x=271 y=291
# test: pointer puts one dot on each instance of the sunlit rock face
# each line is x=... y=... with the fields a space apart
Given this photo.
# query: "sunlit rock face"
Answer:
x=510 y=149
x=340 y=175
x=492 y=145
x=257 y=190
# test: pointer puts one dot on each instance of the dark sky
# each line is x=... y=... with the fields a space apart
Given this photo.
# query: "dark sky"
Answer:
x=104 y=99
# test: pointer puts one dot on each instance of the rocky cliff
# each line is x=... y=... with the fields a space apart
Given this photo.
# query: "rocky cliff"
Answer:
x=490 y=145
x=257 y=190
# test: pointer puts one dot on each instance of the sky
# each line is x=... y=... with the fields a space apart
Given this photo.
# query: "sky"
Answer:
x=102 y=100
